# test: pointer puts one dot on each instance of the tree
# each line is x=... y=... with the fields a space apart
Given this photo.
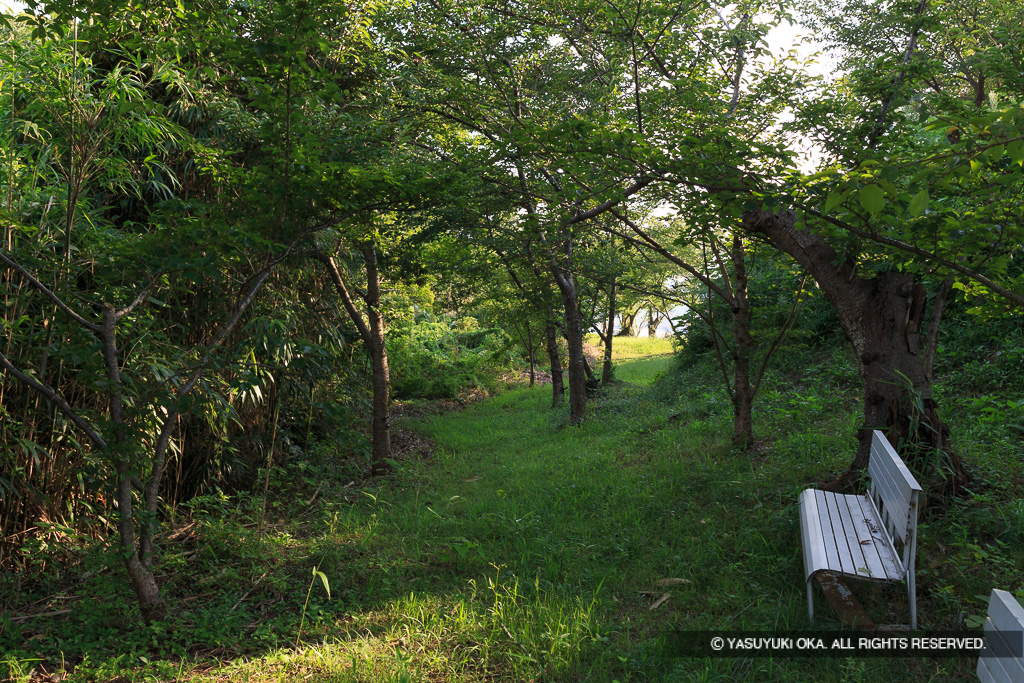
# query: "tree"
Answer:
x=234 y=165
x=926 y=186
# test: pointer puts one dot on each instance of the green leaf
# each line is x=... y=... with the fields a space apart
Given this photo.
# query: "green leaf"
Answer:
x=872 y=198
x=1016 y=150
x=833 y=200
x=919 y=203
x=323 y=577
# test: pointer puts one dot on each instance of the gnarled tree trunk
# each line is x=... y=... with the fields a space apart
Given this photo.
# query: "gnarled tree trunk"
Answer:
x=881 y=316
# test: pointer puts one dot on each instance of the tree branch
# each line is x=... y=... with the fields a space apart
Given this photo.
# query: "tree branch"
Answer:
x=1011 y=296
x=93 y=327
x=55 y=398
x=346 y=300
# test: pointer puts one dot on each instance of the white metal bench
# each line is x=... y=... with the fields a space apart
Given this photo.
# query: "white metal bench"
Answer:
x=860 y=535
x=1003 y=627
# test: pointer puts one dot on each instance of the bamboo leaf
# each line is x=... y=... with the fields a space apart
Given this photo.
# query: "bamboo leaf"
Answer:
x=323 y=578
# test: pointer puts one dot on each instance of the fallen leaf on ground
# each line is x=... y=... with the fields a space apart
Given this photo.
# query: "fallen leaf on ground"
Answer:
x=658 y=603
x=671 y=582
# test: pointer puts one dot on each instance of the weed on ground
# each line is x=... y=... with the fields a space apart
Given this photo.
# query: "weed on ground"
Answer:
x=508 y=546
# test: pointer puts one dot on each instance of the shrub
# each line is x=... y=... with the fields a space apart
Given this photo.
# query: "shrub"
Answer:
x=439 y=359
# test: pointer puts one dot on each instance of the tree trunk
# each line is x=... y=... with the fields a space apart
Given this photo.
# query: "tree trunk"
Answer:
x=381 y=429
x=574 y=339
x=146 y=590
x=372 y=332
x=143 y=582
x=628 y=320
x=653 y=320
x=743 y=392
x=881 y=317
x=531 y=354
x=606 y=370
x=557 y=383
x=591 y=378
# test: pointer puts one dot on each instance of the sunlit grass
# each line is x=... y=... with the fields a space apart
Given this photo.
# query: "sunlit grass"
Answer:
x=630 y=348
x=526 y=549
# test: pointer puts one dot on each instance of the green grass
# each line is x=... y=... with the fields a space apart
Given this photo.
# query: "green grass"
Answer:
x=631 y=348
x=655 y=351
x=525 y=549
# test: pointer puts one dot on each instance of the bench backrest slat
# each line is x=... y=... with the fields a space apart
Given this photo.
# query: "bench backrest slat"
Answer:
x=1005 y=623
x=895 y=492
x=892 y=505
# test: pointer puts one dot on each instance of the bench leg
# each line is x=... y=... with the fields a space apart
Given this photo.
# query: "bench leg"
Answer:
x=912 y=599
x=810 y=601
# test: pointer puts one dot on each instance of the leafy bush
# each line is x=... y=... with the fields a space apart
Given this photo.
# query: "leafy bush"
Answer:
x=438 y=359
x=979 y=355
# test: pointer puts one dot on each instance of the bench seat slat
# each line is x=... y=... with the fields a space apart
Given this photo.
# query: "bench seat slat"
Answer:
x=1000 y=669
x=828 y=537
x=1003 y=626
x=865 y=557
x=991 y=671
x=840 y=532
x=891 y=566
x=812 y=534
x=835 y=538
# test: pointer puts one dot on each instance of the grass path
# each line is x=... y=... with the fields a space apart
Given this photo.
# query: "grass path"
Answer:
x=523 y=549
x=542 y=545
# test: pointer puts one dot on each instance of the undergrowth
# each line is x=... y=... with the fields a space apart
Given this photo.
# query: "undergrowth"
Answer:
x=511 y=547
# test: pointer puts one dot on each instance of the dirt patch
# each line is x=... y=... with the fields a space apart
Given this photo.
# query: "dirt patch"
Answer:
x=404 y=409
x=406 y=445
